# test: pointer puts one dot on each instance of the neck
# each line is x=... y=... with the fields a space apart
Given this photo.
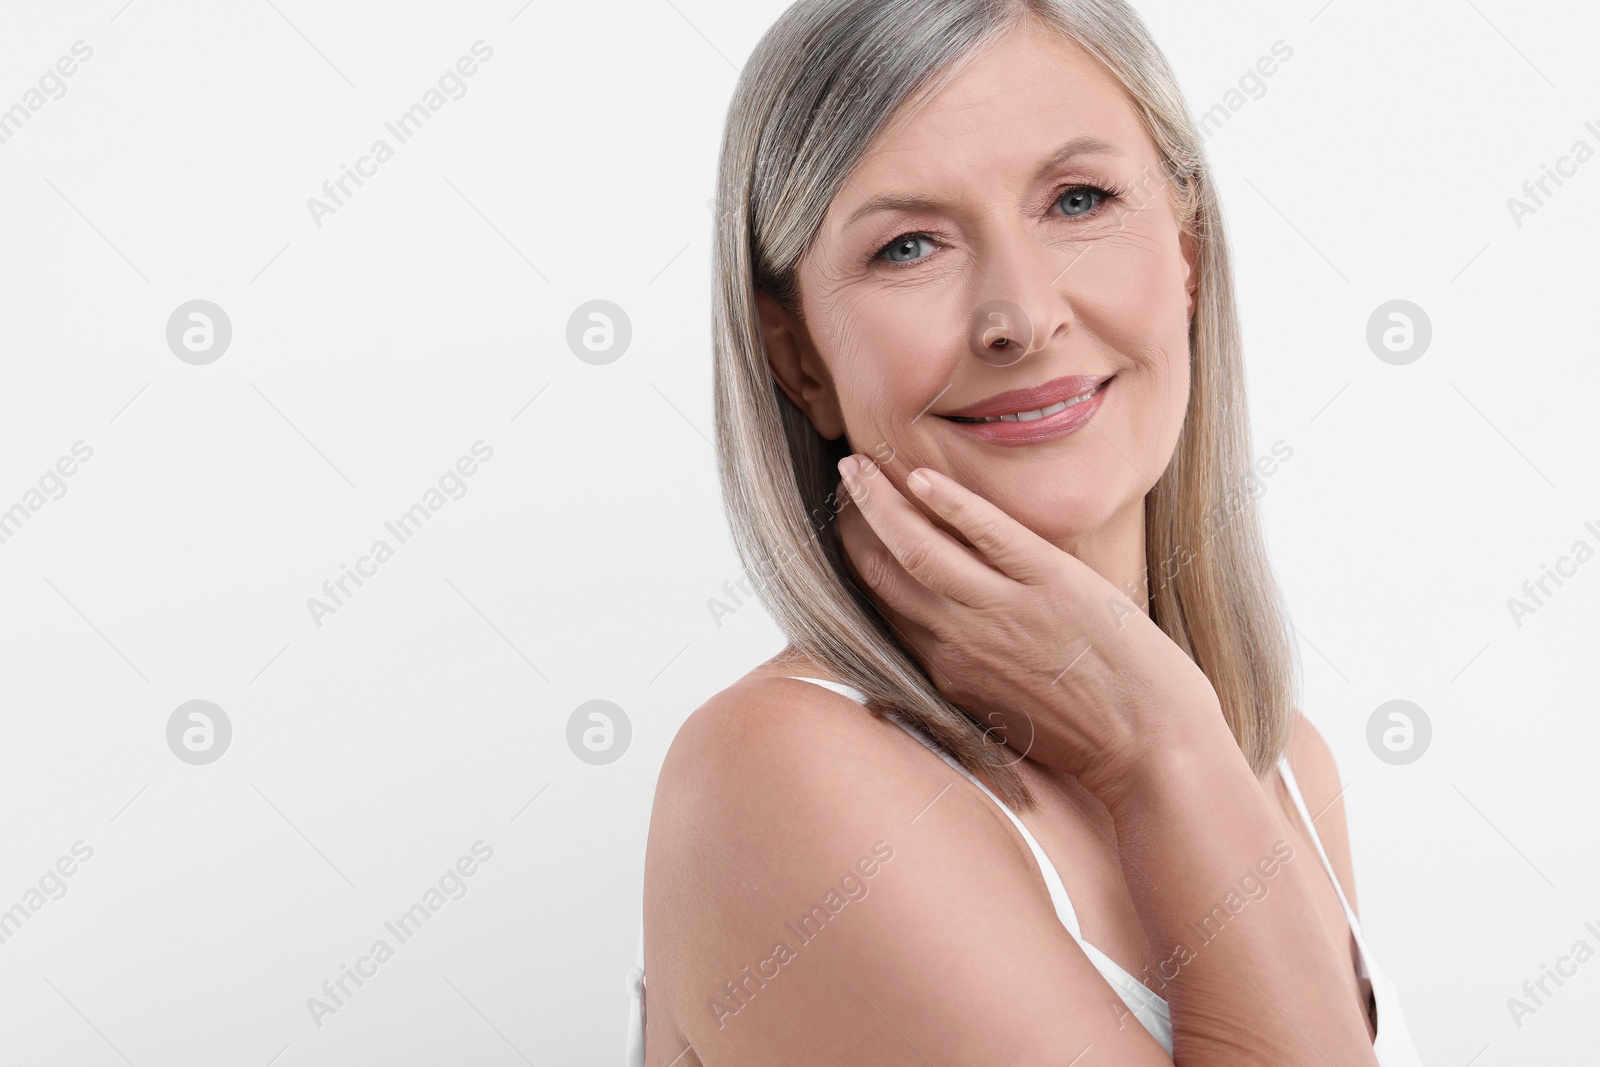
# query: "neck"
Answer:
x=1115 y=550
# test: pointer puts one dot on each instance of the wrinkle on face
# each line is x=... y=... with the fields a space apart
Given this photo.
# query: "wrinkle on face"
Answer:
x=1107 y=294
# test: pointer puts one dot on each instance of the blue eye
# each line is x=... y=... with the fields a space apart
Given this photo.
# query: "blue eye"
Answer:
x=1077 y=200
x=903 y=248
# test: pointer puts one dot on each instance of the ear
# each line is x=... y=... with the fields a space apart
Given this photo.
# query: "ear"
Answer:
x=1190 y=248
x=797 y=368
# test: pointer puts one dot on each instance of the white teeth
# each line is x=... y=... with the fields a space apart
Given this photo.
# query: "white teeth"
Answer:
x=1029 y=416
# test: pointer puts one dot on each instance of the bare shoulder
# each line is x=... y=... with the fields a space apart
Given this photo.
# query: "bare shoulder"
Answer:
x=732 y=737
x=1322 y=786
x=812 y=871
x=768 y=755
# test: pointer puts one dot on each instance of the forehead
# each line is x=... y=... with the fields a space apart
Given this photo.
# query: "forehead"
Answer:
x=1007 y=109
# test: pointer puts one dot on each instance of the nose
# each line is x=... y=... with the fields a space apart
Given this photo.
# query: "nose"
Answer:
x=1020 y=300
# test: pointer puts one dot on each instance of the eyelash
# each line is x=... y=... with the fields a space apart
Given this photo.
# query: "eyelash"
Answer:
x=1107 y=195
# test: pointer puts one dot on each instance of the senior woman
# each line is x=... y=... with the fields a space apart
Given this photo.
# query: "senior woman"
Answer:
x=1039 y=792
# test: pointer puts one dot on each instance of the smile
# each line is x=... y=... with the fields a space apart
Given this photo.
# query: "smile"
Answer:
x=1037 y=413
x=1037 y=424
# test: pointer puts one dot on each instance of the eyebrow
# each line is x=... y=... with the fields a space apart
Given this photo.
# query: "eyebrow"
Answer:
x=1078 y=146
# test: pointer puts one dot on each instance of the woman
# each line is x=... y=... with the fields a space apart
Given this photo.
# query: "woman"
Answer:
x=971 y=262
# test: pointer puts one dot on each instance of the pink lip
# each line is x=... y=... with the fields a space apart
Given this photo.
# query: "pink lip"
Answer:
x=1060 y=424
x=1031 y=399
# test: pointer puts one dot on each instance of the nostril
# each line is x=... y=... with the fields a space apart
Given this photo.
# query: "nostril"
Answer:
x=997 y=328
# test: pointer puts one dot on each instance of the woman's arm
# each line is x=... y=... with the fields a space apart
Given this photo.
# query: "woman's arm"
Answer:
x=1318 y=775
x=778 y=793
x=1262 y=984
x=1138 y=724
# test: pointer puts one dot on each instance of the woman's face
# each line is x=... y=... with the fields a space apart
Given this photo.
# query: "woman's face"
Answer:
x=968 y=256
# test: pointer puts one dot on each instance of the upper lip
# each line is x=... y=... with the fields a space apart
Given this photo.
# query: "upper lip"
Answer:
x=1013 y=401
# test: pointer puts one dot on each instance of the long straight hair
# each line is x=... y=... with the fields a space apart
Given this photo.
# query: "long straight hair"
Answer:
x=820 y=85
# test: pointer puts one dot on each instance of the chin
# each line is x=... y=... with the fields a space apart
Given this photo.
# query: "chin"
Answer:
x=1063 y=516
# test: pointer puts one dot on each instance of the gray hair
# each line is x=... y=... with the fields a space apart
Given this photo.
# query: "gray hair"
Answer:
x=820 y=87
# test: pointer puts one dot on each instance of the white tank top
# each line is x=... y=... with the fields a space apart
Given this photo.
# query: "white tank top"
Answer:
x=1392 y=1046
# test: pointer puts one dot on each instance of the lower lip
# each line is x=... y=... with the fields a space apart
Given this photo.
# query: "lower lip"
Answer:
x=1063 y=422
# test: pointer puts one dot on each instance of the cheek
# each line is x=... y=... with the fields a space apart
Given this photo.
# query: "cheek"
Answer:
x=1129 y=291
x=891 y=354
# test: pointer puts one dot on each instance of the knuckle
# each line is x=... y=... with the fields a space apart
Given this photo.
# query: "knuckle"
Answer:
x=987 y=533
x=873 y=567
x=945 y=636
x=916 y=557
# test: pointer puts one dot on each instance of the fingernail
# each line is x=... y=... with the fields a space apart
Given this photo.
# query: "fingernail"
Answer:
x=847 y=466
x=919 y=483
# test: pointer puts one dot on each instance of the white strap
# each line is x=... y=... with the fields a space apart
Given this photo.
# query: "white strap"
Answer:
x=1311 y=828
x=635 y=983
x=1149 y=1008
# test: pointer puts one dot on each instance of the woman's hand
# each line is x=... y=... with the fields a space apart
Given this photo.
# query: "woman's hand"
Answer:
x=1060 y=663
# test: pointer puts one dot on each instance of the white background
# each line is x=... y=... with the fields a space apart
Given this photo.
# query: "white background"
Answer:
x=369 y=353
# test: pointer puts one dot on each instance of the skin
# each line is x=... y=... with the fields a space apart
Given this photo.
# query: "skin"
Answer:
x=1106 y=284
x=776 y=789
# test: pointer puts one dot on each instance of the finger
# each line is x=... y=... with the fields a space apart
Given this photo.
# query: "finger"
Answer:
x=879 y=575
x=928 y=554
x=1017 y=551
